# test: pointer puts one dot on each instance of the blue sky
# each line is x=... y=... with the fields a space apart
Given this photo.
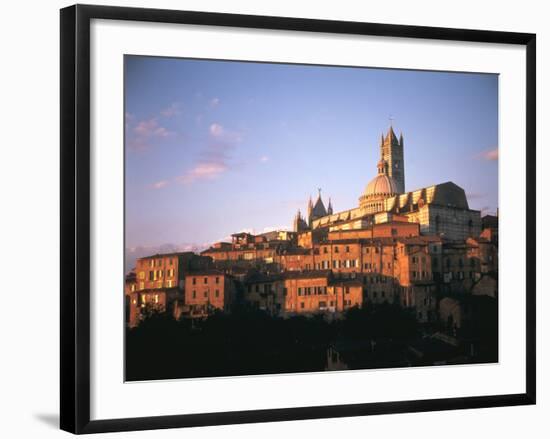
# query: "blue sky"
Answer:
x=215 y=147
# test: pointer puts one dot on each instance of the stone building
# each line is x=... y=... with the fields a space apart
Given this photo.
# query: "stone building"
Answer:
x=265 y=292
x=319 y=292
x=206 y=291
x=141 y=303
x=440 y=209
x=167 y=270
x=157 y=283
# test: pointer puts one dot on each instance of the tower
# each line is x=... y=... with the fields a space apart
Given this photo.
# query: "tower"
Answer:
x=299 y=223
x=310 y=211
x=391 y=152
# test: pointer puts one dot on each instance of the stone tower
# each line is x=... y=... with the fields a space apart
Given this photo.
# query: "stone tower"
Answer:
x=391 y=151
x=299 y=223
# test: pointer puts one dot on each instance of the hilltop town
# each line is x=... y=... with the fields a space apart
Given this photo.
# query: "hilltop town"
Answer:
x=424 y=250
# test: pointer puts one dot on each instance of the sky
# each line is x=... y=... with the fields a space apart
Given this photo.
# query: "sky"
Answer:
x=217 y=147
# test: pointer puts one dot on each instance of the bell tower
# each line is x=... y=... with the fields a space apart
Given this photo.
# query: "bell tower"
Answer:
x=391 y=152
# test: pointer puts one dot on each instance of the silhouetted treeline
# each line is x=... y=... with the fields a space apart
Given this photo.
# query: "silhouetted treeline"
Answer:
x=249 y=342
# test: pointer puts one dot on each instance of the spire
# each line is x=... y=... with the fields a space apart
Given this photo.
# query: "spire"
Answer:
x=318 y=210
x=299 y=222
x=391 y=137
x=329 y=209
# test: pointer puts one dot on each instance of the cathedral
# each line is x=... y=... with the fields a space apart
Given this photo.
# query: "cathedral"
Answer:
x=441 y=209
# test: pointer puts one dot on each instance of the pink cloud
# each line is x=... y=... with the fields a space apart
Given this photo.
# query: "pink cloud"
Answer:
x=216 y=130
x=144 y=132
x=202 y=171
x=214 y=102
x=160 y=184
x=215 y=159
x=490 y=155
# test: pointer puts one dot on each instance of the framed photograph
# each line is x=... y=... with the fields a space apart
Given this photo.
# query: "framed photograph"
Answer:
x=275 y=218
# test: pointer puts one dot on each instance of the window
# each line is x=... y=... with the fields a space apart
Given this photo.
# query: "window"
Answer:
x=347 y=248
x=217 y=293
x=302 y=305
x=141 y=275
x=325 y=250
x=299 y=291
x=335 y=249
x=217 y=279
x=194 y=281
x=206 y=294
x=205 y=280
x=194 y=294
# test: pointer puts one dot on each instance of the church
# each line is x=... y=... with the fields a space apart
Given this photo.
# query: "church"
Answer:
x=441 y=209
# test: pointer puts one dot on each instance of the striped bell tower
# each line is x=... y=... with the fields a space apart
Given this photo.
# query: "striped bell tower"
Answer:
x=391 y=151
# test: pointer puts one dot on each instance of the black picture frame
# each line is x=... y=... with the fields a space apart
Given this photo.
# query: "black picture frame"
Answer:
x=75 y=217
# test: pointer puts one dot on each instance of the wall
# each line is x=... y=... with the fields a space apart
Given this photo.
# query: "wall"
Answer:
x=29 y=182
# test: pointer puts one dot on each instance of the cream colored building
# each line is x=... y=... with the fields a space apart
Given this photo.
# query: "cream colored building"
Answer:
x=441 y=209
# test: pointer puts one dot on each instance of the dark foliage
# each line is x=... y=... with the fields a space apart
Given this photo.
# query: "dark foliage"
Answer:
x=249 y=342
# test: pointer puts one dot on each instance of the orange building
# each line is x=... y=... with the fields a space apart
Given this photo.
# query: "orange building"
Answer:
x=265 y=292
x=391 y=229
x=317 y=291
x=251 y=248
x=140 y=303
x=167 y=270
x=206 y=291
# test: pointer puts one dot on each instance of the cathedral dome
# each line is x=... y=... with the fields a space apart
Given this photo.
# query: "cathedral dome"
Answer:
x=381 y=185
